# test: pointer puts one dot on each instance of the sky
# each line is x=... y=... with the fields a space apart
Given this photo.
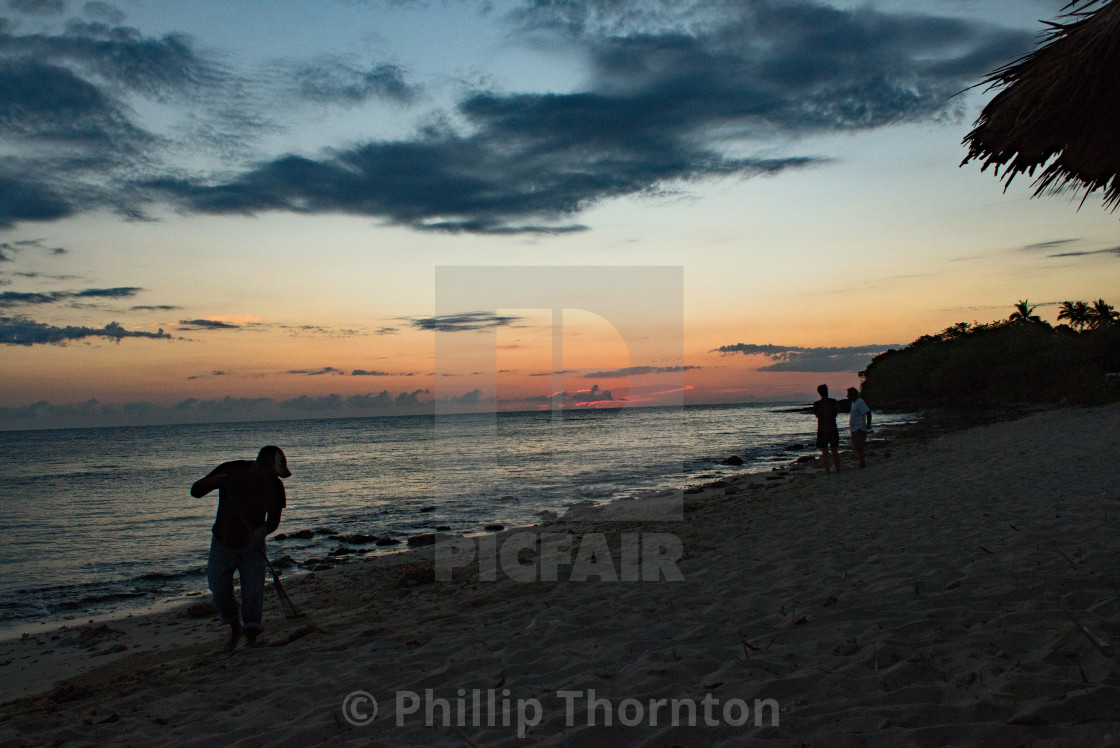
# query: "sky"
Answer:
x=234 y=210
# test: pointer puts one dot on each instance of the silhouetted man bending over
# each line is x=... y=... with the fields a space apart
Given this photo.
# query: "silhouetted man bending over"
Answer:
x=250 y=500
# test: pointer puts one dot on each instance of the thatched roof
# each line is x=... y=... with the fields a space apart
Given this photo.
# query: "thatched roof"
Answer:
x=1059 y=104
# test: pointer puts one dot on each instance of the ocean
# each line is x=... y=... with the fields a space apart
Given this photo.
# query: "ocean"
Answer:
x=100 y=522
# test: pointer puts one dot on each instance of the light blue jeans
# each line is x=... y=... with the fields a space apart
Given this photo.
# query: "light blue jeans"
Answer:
x=249 y=564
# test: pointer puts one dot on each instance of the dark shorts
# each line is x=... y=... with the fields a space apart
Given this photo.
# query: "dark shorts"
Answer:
x=859 y=439
x=828 y=438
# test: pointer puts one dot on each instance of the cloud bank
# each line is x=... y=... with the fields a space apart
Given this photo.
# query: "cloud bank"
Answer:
x=795 y=358
x=23 y=331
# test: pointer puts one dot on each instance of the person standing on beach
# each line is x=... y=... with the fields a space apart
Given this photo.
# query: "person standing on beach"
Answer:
x=859 y=423
x=828 y=435
x=250 y=500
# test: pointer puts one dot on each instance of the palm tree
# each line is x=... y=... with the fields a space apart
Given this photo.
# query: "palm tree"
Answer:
x=958 y=330
x=1077 y=312
x=1102 y=314
x=1022 y=313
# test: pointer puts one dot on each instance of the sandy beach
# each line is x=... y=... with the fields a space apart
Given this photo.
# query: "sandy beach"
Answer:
x=964 y=589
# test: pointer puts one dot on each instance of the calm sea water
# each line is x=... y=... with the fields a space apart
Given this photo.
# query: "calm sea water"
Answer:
x=101 y=520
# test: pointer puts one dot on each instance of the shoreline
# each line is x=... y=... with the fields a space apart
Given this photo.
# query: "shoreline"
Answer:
x=840 y=597
x=331 y=548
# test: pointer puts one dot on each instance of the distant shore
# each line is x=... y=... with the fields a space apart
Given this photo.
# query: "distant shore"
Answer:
x=961 y=589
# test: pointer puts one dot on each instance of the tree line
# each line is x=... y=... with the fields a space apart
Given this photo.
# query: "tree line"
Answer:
x=1020 y=359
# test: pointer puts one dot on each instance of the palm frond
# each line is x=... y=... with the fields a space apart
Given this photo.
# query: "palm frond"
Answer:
x=1058 y=108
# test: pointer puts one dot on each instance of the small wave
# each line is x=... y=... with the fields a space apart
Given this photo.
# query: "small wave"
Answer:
x=95 y=600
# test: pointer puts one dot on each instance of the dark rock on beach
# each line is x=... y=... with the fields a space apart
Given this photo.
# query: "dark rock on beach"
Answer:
x=443 y=528
x=495 y=528
x=302 y=535
x=427 y=538
x=387 y=541
x=733 y=460
x=427 y=509
x=358 y=539
x=320 y=564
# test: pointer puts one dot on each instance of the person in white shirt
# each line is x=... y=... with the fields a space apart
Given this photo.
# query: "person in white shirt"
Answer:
x=859 y=423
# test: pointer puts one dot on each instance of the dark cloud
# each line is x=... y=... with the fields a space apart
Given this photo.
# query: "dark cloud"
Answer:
x=24 y=198
x=554 y=373
x=409 y=400
x=381 y=401
x=469 y=399
x=67 y=106
x=215 y=373
x=1063 y=244
x=306 y=403
x=384 y=402
x=316 y=330
x=123 y=292
x=47 y=276
x=104 y=60
x=386 y=331
x=333 y=80
x=226 y=406
x=49 y=103
x=22 y=244
x=43 y=409
x=496 y=182
x=576 y=399
x=676 y=93
x=368 y=373
x=92 y=412
x=13 y=298
x=317 y=372
x=207 y=324
x=1088 y=252
x=795 y=358
x=154 y=308
x=630 y=371
x=463 y=322
x=663 y=107
x=1042 y=246
x=23 y=331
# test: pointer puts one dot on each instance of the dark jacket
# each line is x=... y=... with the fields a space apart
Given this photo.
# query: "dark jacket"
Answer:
x=248 y=497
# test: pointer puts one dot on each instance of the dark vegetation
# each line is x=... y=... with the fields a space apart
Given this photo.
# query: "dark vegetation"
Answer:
x=1018 y=361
